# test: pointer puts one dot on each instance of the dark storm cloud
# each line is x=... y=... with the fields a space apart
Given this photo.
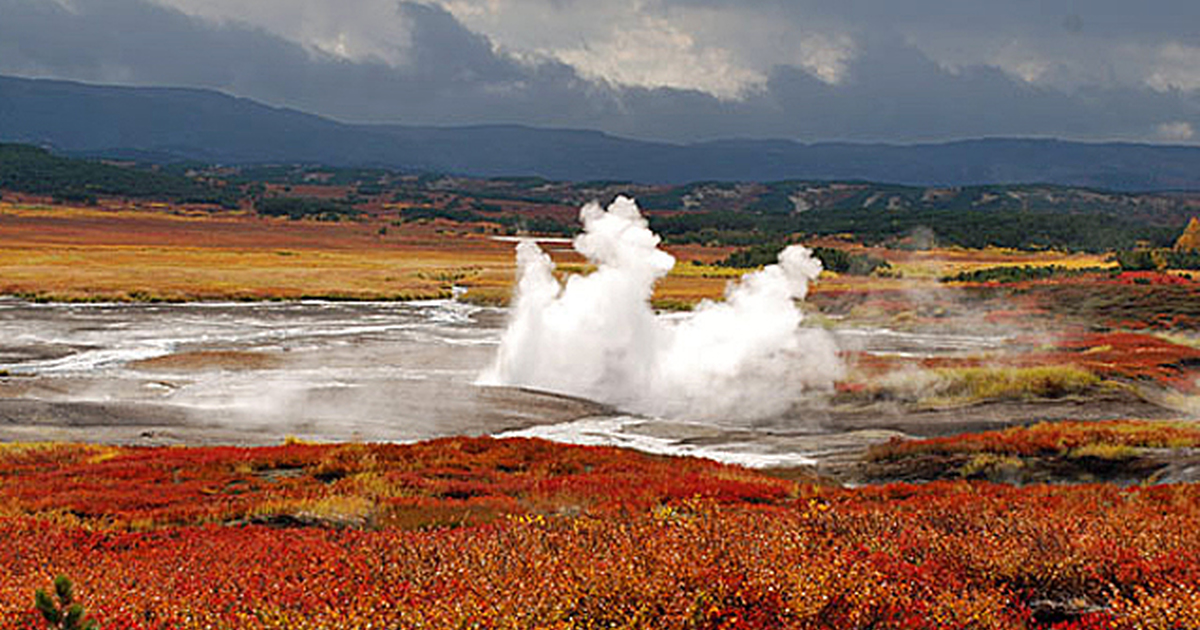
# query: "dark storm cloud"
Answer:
x=1153 y=19
x=454 y=76
x=897 y=93
x=451 y=75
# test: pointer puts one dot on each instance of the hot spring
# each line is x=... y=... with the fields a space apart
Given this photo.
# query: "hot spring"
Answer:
x=597 y=337
x=581 y=359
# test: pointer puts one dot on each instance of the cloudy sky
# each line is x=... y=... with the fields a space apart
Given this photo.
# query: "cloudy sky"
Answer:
x=680 y=70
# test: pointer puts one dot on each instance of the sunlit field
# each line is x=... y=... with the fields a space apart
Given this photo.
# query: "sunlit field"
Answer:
x=65 y=253
x=616 y=315
x=526 y=534
x=995 y=519
x=62 y=253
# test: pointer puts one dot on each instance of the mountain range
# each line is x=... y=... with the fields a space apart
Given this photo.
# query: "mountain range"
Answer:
x=186 y=124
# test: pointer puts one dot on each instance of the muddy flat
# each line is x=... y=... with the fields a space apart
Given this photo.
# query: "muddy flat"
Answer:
x=256 y=373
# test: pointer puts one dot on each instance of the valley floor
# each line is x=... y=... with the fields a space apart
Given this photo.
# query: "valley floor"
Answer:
x=999 y=455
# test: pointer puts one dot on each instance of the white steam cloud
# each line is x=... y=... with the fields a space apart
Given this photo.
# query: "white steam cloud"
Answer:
x=596 y=335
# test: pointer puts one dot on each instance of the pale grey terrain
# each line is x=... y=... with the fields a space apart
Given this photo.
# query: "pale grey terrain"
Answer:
x=254 y=374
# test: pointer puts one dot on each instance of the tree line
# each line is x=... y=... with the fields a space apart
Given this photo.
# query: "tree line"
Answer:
x=34 y=170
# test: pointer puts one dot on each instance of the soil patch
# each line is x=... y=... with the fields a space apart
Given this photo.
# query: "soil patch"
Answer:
x=210 y=360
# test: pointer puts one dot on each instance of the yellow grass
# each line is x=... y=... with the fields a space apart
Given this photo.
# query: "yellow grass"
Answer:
x=835 y=282
x=150 y=252
x=138 y=253
x=689 y=270
x=990 y=464
x=936 y=263
x=956 y=386
x=1179 y=338
x=181 y=273
x=1031 y=382
x=115 y=211
x=1100 y=450
x=18 y=448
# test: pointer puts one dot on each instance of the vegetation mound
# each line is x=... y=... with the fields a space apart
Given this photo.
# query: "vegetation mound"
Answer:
x=1126 y=451
x=949 y=386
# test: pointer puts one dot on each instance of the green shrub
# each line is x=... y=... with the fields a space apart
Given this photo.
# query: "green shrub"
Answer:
x=65 y=614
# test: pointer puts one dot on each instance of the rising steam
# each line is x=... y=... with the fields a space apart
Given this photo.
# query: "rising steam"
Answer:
x=596 y=336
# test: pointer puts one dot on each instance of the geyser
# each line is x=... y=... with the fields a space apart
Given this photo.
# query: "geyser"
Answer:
x=596 y=335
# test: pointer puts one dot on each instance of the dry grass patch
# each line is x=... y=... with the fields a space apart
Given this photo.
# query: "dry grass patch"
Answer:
x=82 y=254
x=940 y=387
x=211 y=360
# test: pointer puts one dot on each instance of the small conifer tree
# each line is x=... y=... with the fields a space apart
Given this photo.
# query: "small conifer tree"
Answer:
x=64 y=614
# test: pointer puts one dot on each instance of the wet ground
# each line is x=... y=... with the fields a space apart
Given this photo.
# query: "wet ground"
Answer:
x=254 y=373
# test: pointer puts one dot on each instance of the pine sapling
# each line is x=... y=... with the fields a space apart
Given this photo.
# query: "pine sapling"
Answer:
x=65 y=614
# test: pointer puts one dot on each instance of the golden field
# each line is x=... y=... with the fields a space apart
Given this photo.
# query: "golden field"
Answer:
x=156 y=252
x=140 y=251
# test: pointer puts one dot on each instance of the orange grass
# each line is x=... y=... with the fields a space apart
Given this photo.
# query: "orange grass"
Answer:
x=1050 y=439
x=155 y=251
x=939 y=262
x=159 y=252
x=65 y=253
x=526 y=534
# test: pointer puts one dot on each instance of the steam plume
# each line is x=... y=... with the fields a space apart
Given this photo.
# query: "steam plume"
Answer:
x=596 y=335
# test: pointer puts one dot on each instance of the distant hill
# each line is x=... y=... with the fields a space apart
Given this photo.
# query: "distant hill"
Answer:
x=168 y=124
x=1023 y=216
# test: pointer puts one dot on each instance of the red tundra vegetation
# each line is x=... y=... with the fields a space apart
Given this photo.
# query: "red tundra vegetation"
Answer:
x=484 y=533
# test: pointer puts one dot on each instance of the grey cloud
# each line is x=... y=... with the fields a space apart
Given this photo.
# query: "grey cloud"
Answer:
x=453 y=76
x=1063 y=43
x=1102 y=18
x=456 y=76
x=898 y=94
